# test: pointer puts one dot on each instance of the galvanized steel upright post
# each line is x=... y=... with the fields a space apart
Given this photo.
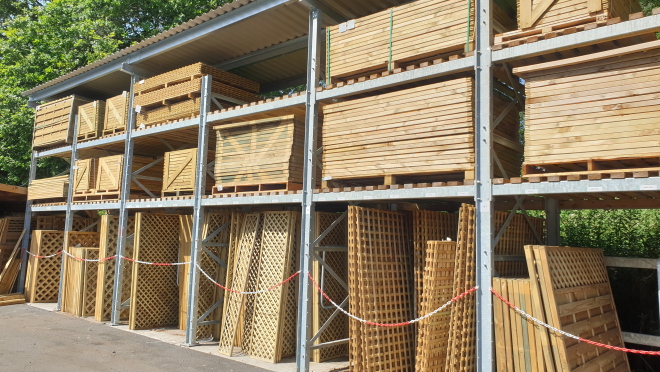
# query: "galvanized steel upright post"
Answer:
x=68 y=222
x=123 y=212
x=198 y=213
x=483 y=182
x=27 y=222
x=309 y=182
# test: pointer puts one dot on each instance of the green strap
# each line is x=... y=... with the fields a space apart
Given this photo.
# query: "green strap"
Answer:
x=389 y=60
x=469 y=26
x=327 y=58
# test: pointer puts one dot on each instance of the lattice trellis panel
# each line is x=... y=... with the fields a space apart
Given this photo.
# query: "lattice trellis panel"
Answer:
x=57 y=223
x=433 y=333
x=338 y=261
x=577 y=298
x=429 y=225
x=208 y=293
x=380 y=288
x=518 y=234
x=461 y=351
x=185 y=245
x=252 y=285
x=237 y=219
x=80 y=281
x=43 y=276
x=109 y=230
x=154 y=290
x=247 y=243
x=274 y=263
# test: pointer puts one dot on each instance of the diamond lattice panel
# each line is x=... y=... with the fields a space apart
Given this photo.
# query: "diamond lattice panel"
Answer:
x=43 y=279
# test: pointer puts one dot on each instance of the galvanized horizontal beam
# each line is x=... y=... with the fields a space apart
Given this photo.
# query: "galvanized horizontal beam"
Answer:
x=53 y=208
x=602 y=34
x=53 y=152
x=631 y=262
x=579 y=187
x=264 y=54
x=640 y=339
x=445 y=68
x=420 y=193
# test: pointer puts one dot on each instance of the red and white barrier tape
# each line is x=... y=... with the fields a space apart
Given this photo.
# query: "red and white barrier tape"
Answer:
x=246 y=293
x=566 y=334
x=50 y=256
x=469 y=291
x=88 y=259
x=156 y=263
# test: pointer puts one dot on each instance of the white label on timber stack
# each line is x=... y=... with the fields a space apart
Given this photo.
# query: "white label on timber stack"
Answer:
x=594 y=189
x=430 y=195
x=342 y=27
x=141 y=81
x=94 y=104
x=648 y=187
x=123 y=94
x=327 y=178
x=75 y=167
x=138 y=109
x=531 y=191
x=219 y=187
x=350 y=24
x=462 y=193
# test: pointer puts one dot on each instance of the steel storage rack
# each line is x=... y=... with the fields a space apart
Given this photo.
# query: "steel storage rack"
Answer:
x=311 y=16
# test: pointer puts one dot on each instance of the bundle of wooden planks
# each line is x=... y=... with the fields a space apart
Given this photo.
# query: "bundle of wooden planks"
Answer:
x=80 y=277
x=90 y=120
x=379 y=280
x=262 y=255
x=266 y=153
x=174 y=94
x=545 y=14
x=49 y=188
x=599 y=114
x=420 y=29
x=116 y=113
x=54 y=121
x=426 y=130
x=569 y=289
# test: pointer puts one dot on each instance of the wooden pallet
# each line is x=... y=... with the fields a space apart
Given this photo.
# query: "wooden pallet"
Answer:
x=393 y=187
x=601 y=108
x=154 y=289
x=265 y=187
x=12 y=299
x=90 y=120
x=594 y=167
x=379 y=268
x=561 y=12
x=43 y=275
x=108 y=237
x=577 y=298
x=411 y=133
x=322 y=310
x=450 y=178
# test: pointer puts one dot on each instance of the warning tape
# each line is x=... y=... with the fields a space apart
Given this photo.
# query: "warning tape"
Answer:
x=156 y=263
x=109 y=258
x=469 y=291
x=246 y=293
x=51 y=256
x=88 y=259
x=566 y=334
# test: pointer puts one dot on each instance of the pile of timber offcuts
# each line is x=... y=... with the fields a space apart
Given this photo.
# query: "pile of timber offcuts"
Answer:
x=568 y=288
x=426 y=131
x=386 y=250
x=593 y=113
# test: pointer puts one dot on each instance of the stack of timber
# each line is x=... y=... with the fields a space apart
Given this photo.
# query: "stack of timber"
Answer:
x=101 y=179
x=379 y=267
x=116 y=114
x=43 y=274
x=426 y=131
x=536 y=18
x=213 y=261
x=54 y=121
x=593 y=114
x=179 y=173
x=90 y=120
x=12 y=299
x=154 y=288
x=260 y=155
x=569 y=289
x=335 y=289
x=263 y=256
x=80 y=277
x=53 y=188
x=109 y=235
x=10 y=269
x=422 y=29
x=175 y=94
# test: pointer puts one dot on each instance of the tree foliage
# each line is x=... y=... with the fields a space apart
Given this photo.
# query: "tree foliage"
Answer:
x=41 y=40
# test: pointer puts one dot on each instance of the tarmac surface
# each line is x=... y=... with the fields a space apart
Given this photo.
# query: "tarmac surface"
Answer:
x=33 y=339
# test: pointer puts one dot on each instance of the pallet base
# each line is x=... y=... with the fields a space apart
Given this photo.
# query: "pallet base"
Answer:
x=621 y=164
x=103 y=196
x=384 y=182
x=177 y=193
x=88 y=136
x=281 y=186
x=110 y=132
